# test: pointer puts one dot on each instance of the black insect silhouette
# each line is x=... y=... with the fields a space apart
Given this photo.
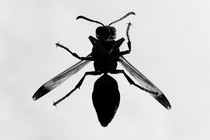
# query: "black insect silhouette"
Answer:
x=105 y=56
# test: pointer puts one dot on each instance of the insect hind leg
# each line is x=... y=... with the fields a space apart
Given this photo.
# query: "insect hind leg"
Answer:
x=77 y=86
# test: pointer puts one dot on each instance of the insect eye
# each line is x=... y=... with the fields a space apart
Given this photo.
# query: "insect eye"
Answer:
x=112 y=32
x=99 y=31
x=102 y=33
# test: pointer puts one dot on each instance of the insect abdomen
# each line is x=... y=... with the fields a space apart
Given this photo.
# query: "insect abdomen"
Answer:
x=106 y=98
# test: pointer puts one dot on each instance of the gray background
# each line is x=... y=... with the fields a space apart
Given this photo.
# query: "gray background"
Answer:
x=170 y=45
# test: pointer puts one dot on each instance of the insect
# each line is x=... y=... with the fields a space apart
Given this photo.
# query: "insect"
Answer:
x=105 y=56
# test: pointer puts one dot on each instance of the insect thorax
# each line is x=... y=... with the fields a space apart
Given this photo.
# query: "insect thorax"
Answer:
x=103 y=60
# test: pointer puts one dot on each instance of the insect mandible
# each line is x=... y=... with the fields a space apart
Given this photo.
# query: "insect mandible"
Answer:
x=105 y=56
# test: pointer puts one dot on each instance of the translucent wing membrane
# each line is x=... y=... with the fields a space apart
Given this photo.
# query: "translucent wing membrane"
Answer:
x=145 y=83
x=59 y=79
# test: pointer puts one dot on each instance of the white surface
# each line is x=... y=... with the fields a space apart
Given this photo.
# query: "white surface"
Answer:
x=170 y=45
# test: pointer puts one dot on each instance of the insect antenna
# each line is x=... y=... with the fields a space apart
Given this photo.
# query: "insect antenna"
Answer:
x=130 y=13
x=89 y=20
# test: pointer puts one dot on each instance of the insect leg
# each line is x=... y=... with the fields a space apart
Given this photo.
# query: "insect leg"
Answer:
x=128 y=43
x=77 y=86
x=74 y=54
x=132 y=82
x=127 y=34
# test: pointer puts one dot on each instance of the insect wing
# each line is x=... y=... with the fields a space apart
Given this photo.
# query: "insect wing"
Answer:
x=145 y=83
x=59 y=79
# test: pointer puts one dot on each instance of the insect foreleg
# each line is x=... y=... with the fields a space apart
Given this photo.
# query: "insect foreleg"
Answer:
x=128 y=43
x=132 y=82
x=127 y=34
x=74 y=54
x=77 y=86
